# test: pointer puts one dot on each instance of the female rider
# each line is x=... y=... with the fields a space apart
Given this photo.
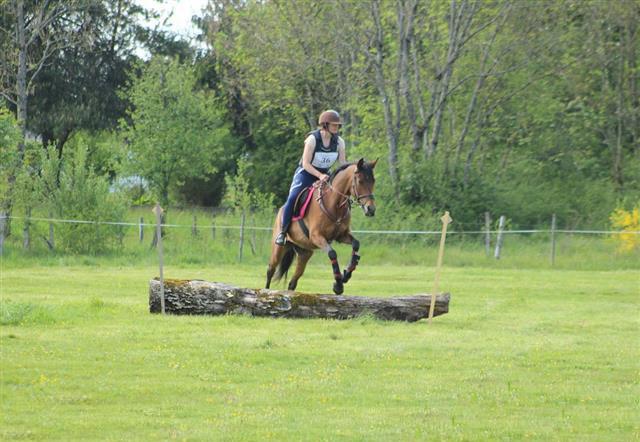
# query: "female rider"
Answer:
x=321 y=150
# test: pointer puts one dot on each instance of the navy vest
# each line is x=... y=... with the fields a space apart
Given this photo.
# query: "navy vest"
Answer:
x=324 y=157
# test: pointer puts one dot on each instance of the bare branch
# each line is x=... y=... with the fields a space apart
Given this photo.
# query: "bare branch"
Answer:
x=501 y=13
x=44 y=21
x=47 y=52
x=8 y=98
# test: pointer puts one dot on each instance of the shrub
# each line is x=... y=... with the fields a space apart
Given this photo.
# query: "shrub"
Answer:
x=627 y=221
x=83 y=195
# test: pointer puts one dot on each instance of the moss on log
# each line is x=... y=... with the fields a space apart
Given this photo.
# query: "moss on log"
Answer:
x=197 y=297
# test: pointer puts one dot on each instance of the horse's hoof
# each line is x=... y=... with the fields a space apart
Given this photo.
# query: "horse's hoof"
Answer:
x=338 y=288
x=346 y=276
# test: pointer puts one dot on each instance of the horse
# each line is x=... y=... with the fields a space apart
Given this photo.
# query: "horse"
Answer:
x=327 y=219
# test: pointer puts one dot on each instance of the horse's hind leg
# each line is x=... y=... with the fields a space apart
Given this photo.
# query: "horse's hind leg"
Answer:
x=303 y=259
x=277 y=252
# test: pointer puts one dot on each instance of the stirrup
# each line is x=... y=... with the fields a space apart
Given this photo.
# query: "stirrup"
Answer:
x=281 y=239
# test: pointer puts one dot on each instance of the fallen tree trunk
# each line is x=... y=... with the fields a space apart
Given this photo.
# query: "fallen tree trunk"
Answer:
x=196 y=297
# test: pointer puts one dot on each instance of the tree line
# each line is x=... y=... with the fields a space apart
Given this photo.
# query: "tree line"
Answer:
x=524 y=108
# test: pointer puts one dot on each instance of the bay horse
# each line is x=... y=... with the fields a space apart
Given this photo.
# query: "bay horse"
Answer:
x=327 y=219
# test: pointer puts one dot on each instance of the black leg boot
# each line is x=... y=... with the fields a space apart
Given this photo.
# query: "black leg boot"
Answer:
x=281 y=239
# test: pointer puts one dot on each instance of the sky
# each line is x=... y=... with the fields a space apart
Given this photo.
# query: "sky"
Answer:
x=180 y=21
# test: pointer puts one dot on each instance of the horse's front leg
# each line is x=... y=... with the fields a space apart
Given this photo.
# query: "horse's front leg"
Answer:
x=319 y=241
x=355 y=257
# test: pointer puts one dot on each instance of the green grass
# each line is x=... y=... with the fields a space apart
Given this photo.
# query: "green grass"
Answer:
x=523 y=354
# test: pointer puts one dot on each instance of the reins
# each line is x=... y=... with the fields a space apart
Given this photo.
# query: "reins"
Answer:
x=348 y=199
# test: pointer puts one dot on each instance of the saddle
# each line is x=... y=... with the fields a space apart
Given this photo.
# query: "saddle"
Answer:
x=302 y=203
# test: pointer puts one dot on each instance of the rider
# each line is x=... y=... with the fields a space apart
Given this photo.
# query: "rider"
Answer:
x=321 y=150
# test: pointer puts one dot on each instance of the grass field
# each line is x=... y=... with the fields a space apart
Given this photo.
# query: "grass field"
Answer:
x=533 y=354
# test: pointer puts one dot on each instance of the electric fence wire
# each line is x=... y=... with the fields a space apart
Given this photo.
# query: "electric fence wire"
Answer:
x=379 y=232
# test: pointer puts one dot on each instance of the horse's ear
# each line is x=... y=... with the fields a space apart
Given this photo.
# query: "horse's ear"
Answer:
x=373 y=163
x=360 y=163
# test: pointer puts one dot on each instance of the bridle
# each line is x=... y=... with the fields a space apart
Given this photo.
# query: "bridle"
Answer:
x=357 y=198
x=348 y=199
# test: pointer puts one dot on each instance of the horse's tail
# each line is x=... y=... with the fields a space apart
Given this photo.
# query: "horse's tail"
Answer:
x=283 y=266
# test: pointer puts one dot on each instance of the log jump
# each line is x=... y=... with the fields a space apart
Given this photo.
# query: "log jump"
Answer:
x=197 y=297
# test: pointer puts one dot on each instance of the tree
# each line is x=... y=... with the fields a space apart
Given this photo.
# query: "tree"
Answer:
x=174 y=131
x=461 y=97
x=78 y=86
x=9 y=138
x=30 y=34
x=241 y=196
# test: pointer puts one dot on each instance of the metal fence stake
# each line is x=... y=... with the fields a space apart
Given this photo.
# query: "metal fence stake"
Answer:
x=553 y=240
x=500 y=237
x=2 y=224
x=242 y=220
x=487 y=235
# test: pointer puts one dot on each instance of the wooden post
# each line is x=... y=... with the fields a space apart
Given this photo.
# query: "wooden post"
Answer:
x=241 y=236
x=487 y=233
x=446 y=220
x=158 y=212
x=26 y=229
x=213 y=231
x=553 y=239
x=3 y=217
x=252 y=240
x=194 y=226
x=500 y=237
x=51 y=242
x=141 y=229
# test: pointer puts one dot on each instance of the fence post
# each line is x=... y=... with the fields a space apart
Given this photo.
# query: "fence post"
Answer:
x=141 y=229
x=487 y=234
x=194 y=226
x=226 y=233
x=213 y=231
x=3 y=217
x=51 y=242
x=553 y=239
x=500 y=237
x=158 y=212
x=252 y=240
x=26 y=229
x=446 y=220
x=241 y=236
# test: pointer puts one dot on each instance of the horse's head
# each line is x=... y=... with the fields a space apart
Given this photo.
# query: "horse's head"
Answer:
x=362 y=186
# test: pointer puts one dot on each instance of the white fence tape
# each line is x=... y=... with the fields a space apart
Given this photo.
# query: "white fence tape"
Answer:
x=379 y=232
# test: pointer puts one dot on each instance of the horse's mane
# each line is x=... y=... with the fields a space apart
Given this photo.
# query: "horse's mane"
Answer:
x=338 y=170
x=366 y=169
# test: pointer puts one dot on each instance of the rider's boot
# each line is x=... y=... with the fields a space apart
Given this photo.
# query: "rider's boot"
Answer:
x=281 y=239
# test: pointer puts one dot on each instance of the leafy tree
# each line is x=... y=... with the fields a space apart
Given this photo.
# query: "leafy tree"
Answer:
x=174 y=131
x=61 y=63
x=9 y=139
x=241 y=196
